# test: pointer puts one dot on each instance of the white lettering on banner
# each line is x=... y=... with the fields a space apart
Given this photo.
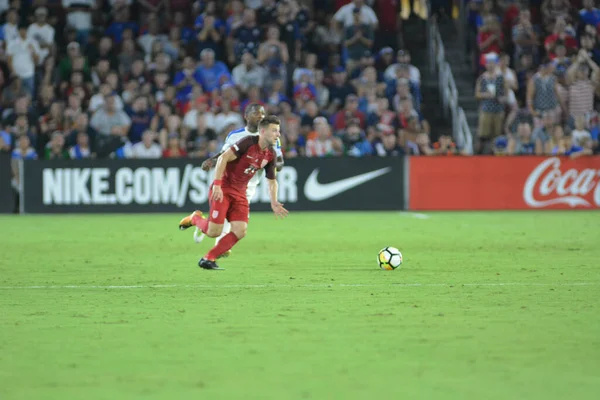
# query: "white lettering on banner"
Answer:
x=569 y=186
x=99 y=185
x=287 y=191
x=62 y=186
x=199 y=191
x=165 y=185
x=142 y=186
x=81 y=194
x=123 y=181
x=52 y=186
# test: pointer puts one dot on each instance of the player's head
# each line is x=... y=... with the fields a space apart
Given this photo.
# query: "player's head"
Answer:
x=253 y=115
x=268 y=128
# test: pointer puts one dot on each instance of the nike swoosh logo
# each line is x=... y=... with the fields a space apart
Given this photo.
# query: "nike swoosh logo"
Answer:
x=315 y=191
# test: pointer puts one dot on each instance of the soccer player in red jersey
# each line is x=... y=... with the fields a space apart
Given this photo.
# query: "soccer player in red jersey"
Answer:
x=227 y=196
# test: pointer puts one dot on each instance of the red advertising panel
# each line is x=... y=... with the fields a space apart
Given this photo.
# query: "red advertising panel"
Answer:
x=504 y=183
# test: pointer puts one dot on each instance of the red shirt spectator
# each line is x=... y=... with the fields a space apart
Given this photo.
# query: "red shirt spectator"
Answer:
x=350 y=112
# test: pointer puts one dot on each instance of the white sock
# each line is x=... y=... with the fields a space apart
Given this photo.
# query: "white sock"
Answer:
x=226 y=230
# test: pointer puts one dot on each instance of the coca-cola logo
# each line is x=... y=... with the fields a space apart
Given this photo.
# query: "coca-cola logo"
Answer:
x=548 y=185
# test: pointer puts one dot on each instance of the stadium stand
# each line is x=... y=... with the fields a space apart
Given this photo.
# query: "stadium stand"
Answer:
x=535 y=66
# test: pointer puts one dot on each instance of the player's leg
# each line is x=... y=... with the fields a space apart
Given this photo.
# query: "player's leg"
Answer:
x=238 y=217
x=226 y=230
x=212 y=226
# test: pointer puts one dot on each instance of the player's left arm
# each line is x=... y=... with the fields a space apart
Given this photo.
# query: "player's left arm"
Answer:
x=278 y=209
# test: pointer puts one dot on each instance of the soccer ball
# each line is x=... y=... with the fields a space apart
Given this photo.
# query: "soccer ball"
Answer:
x=389 y=258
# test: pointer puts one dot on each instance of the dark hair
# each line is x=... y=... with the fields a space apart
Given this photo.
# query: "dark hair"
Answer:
x=268 y=120
x=252 y=107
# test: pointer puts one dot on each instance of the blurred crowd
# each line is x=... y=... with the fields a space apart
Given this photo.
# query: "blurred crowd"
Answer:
x=170 y=78
x=538 y=76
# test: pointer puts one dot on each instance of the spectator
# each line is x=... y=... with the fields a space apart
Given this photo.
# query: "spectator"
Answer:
x=244 y=38
x=12 y=92
x=388 y=146
x=542 y=135
x=490 y=91
x=5 y=141
x=227 y=117
x=525 y=36
x=79 y=18
x=146 y=149
x=581 y=136
x=289 y=31
x=211 y=73
x=211 y=30
x=41 y=32
x=358 y=38
x=81 y=125
x=403 y=57
x=200 y=111
x=445 y=146
x=561 y=33
x=97 y=100
x=355 y=140
x=349 y=113
x=141 y=115
x=542 y=94
x=554 y=11
x=589 y=15
x=22 y=59
x=112 y=126
x=566 y=147
x=320 y=144
x=23 y=150
x=51 y=122
x=248 y=73
x=522 y=142
x=121 y=24
x=581 y=88
x=55 y=149
x=490 y=39
x=344 y=15
x=273 y=56
x=11 y=28
x=173 y=148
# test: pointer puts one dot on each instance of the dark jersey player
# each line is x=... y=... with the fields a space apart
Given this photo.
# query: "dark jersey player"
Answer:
x=228 y=200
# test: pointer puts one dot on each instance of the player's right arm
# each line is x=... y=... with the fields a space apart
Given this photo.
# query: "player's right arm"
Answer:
x=229 y=155
x=226 y=157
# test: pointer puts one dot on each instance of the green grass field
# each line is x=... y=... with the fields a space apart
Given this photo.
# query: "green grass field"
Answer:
x=486 y=306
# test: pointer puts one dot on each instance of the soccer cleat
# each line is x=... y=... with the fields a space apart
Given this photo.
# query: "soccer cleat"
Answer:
x=187 y=221
x=208 y=264
x=225 y=255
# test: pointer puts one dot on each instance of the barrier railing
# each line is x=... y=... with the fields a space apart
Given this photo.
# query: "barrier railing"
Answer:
x=447 y=86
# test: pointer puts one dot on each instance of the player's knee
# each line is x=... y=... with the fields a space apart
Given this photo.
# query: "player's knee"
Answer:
x=214 y=231
x=239 y=231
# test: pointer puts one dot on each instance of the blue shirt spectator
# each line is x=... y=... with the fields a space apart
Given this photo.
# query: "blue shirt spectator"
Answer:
x=141 y=115
x=211 y=74
x=589 y=15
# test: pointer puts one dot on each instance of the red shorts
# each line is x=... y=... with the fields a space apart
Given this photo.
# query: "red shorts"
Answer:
x=234 y=207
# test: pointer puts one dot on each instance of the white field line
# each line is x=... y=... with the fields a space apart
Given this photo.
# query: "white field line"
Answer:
x=414 y=215
x=301 y=285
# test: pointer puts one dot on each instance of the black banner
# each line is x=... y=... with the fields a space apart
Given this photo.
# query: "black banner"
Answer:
x=6 y=192
x=89 y=186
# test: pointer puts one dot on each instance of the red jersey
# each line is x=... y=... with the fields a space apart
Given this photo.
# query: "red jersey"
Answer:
x=250 y=158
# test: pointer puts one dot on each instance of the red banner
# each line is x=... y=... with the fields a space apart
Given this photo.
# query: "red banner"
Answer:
x=504 y=183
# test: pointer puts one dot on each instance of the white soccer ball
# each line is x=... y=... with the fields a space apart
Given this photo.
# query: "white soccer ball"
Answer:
x=389 y=258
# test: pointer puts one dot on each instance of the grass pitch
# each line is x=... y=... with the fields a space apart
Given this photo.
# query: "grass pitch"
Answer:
x=485 y=306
